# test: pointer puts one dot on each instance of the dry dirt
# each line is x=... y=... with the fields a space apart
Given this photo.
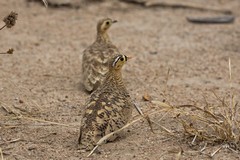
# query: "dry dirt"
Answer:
x=40 y=82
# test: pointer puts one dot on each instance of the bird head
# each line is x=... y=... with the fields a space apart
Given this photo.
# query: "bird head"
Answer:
x=104 y=24
x=117 y=61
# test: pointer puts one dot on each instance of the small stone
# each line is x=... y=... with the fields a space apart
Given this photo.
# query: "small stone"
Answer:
x=147 y=97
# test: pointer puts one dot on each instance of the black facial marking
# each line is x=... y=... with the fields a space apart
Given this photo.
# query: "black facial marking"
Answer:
x=115 y=61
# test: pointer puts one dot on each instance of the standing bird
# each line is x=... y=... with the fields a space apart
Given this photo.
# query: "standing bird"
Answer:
x=109 y=107
x=95 y=57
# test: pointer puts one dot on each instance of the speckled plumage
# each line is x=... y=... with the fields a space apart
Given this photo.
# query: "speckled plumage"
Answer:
x=109 y=107
x=95 y=57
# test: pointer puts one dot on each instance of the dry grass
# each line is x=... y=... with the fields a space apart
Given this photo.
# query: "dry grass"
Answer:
x=216 y=123
x=10 y=20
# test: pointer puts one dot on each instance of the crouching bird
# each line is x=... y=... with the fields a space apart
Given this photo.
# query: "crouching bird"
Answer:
x=108 y=108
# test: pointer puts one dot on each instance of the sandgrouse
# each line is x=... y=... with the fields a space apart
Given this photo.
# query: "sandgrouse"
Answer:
x=95 y=57
x=109 y=107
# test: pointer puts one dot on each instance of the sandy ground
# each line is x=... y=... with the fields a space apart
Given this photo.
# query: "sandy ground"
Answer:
x=41 y=81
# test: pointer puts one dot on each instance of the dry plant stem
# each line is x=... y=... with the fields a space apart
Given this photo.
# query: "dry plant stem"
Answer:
x=233 y=107
x=45 y=3
x=205 y=111
x=166 y=82
x=9 y=127
x=40 y=120
x=145 y=116
x=232 y=150
x=12 y=141
x=1 y=153
x=179 y=154
x=194 y=139
x=3 y=27
x=204 y=147
x=9 y=110
x=164 y=128
x=216 y=151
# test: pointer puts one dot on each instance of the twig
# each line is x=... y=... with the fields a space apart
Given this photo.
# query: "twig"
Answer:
x=166 y=81
x=144 y=116
x=93 y=150
x=162 y=104
x=204 y=147
x=45 y=121
x=9 y=109
x=1 y=153
x=12 y=141
x=40 y=120
x=3 y=27
x=230 y=71
x=164 y=128
x=216 y=151
x=195 y=137
x=45 y=3
x=179 y=154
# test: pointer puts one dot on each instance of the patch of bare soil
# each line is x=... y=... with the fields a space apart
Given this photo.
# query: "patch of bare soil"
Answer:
x=41 y=99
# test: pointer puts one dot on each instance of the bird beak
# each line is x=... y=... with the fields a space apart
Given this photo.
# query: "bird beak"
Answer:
x=129 y=57
x=114 y=21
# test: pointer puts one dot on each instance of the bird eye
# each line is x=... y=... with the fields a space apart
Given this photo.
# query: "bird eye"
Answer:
x=122 y=59
x=107 y=23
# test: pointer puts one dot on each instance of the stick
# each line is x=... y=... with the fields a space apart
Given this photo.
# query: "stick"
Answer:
x=162 y=127
x=144 y=116
x=45 y=3
x=204 y=147
x=216 y=151
x=1 y=153
x=3 y=27
x=45 y=121
x=194 y=139
x=8 y=109
x=12 y=141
